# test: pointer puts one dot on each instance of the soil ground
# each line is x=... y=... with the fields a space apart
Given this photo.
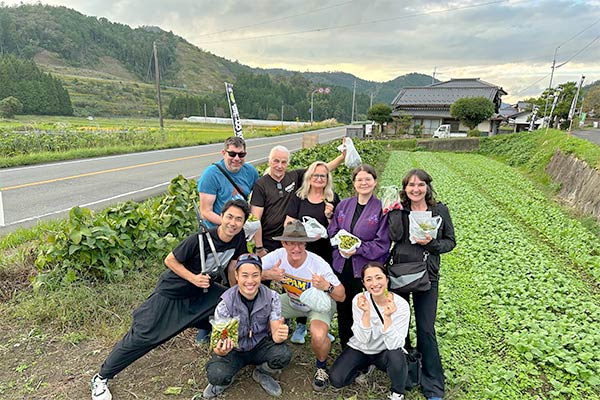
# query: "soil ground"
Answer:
x=42 y=365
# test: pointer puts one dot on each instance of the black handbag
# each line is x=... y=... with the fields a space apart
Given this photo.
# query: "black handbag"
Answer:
x=410 y=276
x=413 y=362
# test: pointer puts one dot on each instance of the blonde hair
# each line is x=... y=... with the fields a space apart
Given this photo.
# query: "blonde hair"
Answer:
x=302 y=193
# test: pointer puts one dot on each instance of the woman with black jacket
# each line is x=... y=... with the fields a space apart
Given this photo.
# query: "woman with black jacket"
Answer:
x=418 y=195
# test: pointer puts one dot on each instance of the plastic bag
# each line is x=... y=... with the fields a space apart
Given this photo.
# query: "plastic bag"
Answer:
x=316 y=299
x=390 y=198
x=422 y=223
x=352 y=159
x=314 y=228
x=224 y=329
x=251 y=227
x=345 y=241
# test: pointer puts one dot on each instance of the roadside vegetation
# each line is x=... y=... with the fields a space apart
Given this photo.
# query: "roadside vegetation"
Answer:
x=32 y=140
x=519 y=300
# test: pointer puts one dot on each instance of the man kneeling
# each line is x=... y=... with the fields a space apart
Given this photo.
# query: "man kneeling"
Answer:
x=261 y=333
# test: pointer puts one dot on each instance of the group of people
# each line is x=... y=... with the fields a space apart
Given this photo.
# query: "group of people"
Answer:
x=373 y=321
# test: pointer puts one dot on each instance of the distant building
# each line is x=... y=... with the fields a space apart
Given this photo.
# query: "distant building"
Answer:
x=429 y=106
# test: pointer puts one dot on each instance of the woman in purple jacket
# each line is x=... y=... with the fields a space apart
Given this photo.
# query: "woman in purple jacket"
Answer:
x=362 y=216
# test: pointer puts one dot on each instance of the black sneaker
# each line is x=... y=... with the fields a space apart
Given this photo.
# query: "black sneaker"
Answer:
x=321 y=380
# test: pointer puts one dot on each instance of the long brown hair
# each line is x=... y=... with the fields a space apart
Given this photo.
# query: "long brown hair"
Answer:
x=423 y=176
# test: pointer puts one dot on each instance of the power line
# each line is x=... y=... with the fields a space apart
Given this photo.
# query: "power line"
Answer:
x=579 y=52
x=377 y=21
x=277 y=19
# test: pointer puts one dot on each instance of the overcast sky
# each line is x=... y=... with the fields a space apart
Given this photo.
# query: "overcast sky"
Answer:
x=508 y=43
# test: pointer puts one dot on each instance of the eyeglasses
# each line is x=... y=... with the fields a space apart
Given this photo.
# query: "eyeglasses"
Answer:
x=232 y=154
x=318 y=176
x=280 y=188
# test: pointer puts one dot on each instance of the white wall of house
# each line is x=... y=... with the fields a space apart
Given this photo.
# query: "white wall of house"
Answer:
x=429 y=124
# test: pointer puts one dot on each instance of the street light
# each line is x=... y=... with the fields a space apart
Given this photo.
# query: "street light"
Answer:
x=312 y=95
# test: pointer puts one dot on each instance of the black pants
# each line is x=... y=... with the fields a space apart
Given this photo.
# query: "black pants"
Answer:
x=353 y=286
x=351 y=362
x=221 y=370
x=425 y=311
x=156 y=321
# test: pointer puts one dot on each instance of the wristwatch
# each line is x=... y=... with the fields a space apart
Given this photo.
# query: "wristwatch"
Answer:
x=329 y=289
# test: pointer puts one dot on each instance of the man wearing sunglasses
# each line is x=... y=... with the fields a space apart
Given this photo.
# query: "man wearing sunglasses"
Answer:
x=185 y=296
x=215 y=189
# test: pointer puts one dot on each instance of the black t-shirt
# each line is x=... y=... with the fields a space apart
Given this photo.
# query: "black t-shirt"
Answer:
x=274 y=201
x=299 y=208
x=187 y=252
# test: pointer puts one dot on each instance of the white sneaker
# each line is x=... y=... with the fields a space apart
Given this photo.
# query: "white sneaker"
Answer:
x=99 y=388
x=396 y=396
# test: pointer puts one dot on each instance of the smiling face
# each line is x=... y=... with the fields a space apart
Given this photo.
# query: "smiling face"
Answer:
x=248 y=278
x=234 y=164
x=375 y=281
x=364 y=183
x=232 y=223
x=416 y=189
x=296 y=252
x=319 y=178
x=278 y=163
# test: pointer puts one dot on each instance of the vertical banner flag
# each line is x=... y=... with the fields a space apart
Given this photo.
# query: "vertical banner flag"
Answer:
x=233 y=110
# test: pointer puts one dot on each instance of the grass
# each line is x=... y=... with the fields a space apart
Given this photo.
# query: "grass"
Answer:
x=126 y=135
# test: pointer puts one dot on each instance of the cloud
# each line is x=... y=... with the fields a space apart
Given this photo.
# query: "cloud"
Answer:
x=509 y=43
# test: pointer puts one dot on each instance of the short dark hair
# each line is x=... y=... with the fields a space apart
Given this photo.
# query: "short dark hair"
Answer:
x=235 y=141
x=364 y=167
x=373 y=264
x=239 y=203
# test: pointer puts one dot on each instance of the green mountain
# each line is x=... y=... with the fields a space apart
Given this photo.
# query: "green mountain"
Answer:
x=108 y=69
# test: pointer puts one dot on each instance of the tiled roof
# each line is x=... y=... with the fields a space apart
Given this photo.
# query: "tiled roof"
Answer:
x=446 y=93
x=440 y=96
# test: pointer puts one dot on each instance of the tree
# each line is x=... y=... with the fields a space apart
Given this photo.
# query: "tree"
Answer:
x=592 y=100
x=380 y=113
x=472 y=111
x=10 y=106
x=565 y=98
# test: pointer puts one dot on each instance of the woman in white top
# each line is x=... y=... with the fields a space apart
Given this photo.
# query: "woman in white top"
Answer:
x=380 y=324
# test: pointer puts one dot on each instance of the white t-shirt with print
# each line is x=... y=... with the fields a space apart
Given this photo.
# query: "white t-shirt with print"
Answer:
x=297 y=280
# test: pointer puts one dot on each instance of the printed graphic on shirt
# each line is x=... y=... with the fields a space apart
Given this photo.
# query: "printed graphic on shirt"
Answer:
x=294 y=286
x=224 y=257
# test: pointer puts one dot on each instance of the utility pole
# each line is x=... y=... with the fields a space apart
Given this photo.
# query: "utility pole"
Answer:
x=353 y=101
x=433 y=75
x=574 y=105
x=281 y=112
x=157 y=78
x=550 y=86
x=556 y=96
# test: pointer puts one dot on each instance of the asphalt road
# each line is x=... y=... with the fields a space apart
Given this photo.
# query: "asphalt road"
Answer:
x=593 y=135
x=29 y=194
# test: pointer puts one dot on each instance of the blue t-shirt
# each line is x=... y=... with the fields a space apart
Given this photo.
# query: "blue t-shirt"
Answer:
x=212 y=181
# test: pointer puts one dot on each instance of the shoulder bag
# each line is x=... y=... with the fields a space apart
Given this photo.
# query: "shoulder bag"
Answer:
x=410 y=276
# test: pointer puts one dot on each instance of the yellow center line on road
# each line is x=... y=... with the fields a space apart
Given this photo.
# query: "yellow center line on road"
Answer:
x=106 y=171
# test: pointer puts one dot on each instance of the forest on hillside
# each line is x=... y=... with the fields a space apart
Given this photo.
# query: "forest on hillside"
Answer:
x=80 y=40
x=264 y=97
x=37 y=92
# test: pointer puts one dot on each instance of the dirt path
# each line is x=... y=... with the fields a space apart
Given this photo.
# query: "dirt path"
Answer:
x=39 y=365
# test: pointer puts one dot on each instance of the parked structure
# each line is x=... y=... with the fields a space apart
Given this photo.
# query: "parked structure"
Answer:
x=429 y=106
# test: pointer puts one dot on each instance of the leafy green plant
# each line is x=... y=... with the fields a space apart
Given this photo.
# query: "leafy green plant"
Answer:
x=106 y=245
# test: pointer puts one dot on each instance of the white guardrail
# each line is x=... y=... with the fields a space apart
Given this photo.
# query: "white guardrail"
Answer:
x=259 y=122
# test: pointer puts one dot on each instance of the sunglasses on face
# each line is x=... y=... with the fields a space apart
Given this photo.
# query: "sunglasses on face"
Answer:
x=232 y=154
